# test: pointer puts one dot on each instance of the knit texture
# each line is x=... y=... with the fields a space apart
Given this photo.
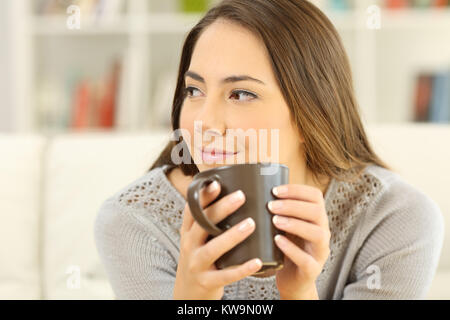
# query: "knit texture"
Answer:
x=386 y=239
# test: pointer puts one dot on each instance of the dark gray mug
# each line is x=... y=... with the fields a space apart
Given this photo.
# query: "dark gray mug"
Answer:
x=256 y=180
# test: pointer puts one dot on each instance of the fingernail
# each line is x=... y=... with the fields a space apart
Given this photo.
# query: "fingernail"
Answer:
x=274 y=205
x=257 y=263
x=279 y=239
x=279 y=220
x=280 y=190
x=212 y=186
x=246 y=224
x=237 y=196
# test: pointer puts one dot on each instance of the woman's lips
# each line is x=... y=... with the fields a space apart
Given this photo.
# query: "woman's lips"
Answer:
x=214 y=156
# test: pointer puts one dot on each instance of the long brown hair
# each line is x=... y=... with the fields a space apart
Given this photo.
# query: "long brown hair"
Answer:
x=313 y=72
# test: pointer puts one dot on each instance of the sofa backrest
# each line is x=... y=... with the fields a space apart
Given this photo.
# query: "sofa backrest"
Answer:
x=83 y=170
x=20 y=191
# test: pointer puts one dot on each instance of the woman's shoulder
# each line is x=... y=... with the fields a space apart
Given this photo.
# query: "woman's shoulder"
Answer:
x=376 y=184
x=399 y=193
x=150 y=199
x=153 y=189
x=399 y=205
x=379 y=196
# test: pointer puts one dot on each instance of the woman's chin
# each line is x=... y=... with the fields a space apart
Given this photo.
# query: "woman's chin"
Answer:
x=206 y=166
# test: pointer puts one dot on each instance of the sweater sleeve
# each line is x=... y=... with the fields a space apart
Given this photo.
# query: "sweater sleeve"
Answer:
x=401 y=240
x=137 y=265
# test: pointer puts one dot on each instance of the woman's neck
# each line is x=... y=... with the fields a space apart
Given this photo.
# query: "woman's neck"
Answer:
x=179 y=180
x=300 y=174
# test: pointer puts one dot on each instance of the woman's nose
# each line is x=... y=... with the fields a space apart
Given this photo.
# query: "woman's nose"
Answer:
x=211 y=118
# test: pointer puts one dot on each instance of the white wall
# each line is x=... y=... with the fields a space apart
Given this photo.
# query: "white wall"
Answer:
x=15 y=64
x=5 y=68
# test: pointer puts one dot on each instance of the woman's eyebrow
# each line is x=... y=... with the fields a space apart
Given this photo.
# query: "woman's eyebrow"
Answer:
x=197 y=77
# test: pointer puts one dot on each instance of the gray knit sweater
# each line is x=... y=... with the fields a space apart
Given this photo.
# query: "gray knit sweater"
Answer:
x=386 y=240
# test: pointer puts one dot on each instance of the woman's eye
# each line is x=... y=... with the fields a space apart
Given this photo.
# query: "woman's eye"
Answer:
x=189 y=91
x=241 y=93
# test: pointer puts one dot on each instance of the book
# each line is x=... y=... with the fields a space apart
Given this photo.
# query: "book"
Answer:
x=94 y=101
x=440 y=98
x=108 y=10
x=421 y=3
x=50 y=101
x=439 y=3
x=107 y=102
x=193 y=5
x=422 y=97
x=340 y=4
x=396 y=4
x=100 y=10
x=81 y=105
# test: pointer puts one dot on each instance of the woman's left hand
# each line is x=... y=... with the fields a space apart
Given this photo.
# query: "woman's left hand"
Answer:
x=300 y=212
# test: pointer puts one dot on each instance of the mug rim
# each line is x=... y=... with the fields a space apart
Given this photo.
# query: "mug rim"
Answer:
x=219 y=169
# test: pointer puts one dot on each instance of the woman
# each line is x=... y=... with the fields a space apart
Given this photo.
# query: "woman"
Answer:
x=354 y=229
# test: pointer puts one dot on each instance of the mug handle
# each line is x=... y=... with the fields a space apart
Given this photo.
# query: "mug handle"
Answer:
x=194 y=204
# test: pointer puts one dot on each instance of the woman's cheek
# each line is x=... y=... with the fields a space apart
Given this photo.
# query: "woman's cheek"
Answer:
x=187 y=127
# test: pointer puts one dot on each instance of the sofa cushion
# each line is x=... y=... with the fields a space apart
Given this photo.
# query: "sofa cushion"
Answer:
x=82 y=171
x=20 y=191
x=440 y=288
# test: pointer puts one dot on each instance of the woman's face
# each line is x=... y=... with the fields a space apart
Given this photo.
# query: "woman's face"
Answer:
x=235 y=115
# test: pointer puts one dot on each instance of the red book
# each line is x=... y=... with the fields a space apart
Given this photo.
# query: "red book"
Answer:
x=94 y=105
x=108 y=100
x=396 y=4
x=81 y=106
x=440 y=3
x=423 y=97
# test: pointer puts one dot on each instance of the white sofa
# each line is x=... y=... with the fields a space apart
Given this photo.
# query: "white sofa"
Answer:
x=51 y=189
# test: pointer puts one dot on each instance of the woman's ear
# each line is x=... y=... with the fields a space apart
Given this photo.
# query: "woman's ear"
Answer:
x=295 y=127
x=301 y=138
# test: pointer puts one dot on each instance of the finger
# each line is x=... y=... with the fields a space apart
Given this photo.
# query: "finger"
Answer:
x=216 y=213
x=207 y=195
x=318 y=236
x=223 y=243
x=306 y=264
x=227 y=276
x=188 y=220
x=299 y=192
x=308 y=211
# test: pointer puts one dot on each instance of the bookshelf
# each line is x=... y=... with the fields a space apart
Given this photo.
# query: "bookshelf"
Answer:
x=146 y=37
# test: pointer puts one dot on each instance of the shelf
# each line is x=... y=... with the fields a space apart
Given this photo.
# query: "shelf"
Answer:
x=130 y=24
x=152 y=23
x=170 y=22
x=416 y=19
x=407 y=19
x=56 y=25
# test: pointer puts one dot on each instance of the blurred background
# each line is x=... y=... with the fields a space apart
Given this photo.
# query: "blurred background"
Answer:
x=118 y=70
x=86 y=88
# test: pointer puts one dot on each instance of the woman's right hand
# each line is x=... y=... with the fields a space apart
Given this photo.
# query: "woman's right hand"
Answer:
x=197 y=276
